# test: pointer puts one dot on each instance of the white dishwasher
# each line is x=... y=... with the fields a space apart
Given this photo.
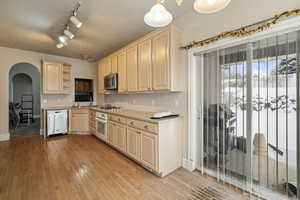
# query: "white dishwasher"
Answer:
x=57 y=122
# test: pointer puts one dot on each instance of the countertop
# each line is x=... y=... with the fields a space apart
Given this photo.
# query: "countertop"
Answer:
x=135 y=114
x=123 y=112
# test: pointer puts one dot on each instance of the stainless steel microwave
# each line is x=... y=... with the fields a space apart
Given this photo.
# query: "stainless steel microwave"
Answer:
x=111 y=81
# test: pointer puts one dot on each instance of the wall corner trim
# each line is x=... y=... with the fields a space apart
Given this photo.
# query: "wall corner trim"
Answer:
x=188 y=164
x=4 y=137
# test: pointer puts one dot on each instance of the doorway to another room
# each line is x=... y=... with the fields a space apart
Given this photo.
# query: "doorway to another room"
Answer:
x=24 y=100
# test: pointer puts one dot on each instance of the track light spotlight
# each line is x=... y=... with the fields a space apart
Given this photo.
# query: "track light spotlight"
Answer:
x=63 y=39
x=59 y=45
x=69 y=34
x=76 y=21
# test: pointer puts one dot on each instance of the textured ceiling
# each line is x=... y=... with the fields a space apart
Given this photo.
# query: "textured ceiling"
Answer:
x=107 y=24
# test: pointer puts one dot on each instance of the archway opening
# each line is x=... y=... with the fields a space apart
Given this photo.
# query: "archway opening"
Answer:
x=24 y=100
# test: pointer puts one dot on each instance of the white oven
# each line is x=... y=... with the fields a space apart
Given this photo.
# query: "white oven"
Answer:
x=101 y=125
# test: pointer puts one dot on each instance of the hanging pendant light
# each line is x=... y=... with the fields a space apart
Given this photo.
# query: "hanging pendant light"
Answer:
x=210 y=6
x=158 y=16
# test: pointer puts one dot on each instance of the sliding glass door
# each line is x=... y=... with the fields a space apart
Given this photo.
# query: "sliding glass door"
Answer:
x=250 y=115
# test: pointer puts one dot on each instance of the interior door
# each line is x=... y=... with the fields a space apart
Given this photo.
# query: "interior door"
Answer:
x=145 y=65
x=161 y=61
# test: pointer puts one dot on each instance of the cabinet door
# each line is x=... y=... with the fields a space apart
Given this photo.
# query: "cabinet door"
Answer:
x=144 y=66
x=121 y=141
x=134 y=143
x=122 y=87
x=101 y=73
x=114 y=64
x=132 y=69
x=80 y=122
x=149 y=150
x=160 y=62
x=107 y=66
x=52 y=78
x=110 y=134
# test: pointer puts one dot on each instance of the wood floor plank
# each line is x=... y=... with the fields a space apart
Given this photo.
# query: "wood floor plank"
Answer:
x=81 y=167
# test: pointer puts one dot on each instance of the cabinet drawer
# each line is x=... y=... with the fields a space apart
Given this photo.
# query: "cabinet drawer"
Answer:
x=80 y=111
x=149 y=127
x=117 y=119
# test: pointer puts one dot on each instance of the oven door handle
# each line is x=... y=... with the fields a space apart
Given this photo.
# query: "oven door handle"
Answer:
x=101 y=120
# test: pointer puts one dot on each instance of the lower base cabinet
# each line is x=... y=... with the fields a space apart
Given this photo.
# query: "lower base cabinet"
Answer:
x=156 y=146
x=149 y=150
x=117 y=135
x=134 y=143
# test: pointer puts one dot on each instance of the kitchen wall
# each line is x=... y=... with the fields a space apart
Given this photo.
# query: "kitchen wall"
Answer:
x=10 y=57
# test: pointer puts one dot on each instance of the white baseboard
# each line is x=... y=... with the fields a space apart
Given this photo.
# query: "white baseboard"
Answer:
x=188 y=164
x=4 y=137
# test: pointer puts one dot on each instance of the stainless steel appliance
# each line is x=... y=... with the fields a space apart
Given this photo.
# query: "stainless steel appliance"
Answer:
x=111 y=81
x=101 y=125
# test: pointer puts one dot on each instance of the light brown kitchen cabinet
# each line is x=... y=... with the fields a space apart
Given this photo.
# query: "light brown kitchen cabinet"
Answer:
x=56 y=77
x=101 y=77
x=149 y=150
x=92 y=122
x=117 y=135
x=134 y=143
x=111 y=133
x=104 y=68
x=161 y=60
x=122 y=72
x=132 y=69
x=159 y=66
x=79 y=121
x=114 y=64
x=121 y=137
x=145 y=65
x=148 y=143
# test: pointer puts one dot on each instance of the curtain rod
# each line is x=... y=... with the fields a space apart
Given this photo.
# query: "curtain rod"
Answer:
x=245 y=31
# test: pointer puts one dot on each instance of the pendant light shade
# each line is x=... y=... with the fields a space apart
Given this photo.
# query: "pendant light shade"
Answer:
x=76 y=21
x=210 y=6
x=158 y=16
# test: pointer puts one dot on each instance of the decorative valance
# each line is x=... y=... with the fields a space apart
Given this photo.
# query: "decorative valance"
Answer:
x=245 y=30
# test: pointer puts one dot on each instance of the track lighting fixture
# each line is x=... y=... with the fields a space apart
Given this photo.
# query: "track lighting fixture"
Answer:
x=63 y=39
x=76 y=21
x=60 y=45
x=69 y=34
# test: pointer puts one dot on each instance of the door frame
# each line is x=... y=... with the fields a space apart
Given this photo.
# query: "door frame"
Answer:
x=195 y=59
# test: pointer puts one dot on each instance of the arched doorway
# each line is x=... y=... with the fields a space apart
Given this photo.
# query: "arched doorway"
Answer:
x=24 y=100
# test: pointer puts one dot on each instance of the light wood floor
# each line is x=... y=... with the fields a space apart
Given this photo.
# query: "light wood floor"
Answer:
x=82 y=167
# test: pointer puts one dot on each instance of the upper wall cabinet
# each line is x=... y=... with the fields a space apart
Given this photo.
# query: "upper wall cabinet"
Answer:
x=104 y=68
x=56 y=78
x=145 y=65
x=154 y=63
x=122 y=72
x=132 y=68
x=114 y=64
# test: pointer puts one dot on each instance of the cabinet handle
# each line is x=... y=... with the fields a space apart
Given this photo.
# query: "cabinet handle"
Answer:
x=131 y=123
x=119 y=119
x=145 y=127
